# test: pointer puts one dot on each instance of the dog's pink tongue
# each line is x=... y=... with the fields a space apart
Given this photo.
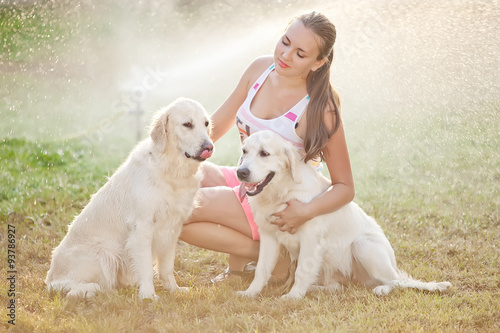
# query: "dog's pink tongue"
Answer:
x=245 y=188
x=243 y=191
x=206 y=154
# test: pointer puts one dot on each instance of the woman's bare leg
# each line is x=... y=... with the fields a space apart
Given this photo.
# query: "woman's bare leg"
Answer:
x=210 y=236
x=219 y=223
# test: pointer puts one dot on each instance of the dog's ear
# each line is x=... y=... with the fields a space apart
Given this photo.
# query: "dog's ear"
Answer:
x=293 y=163
x=158 y=131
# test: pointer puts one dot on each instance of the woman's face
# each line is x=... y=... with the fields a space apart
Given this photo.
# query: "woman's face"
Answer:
x=297 y=51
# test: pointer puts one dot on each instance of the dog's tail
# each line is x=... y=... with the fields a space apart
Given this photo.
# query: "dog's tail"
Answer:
x=376 y=256
x=406 y=281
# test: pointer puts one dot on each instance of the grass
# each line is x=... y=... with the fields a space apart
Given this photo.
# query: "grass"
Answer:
x=433 y=186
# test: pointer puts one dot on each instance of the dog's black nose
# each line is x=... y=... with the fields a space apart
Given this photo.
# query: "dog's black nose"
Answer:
x=207 y=146
x=243 y=173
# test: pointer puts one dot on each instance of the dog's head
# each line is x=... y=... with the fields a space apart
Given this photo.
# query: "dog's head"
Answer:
x=266 y=156
x=183 y=125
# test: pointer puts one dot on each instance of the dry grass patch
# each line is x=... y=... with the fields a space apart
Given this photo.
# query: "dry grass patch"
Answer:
x=441 y=219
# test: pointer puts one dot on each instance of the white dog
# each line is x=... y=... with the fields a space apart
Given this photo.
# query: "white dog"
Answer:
x=346 y=245
x=138 y=214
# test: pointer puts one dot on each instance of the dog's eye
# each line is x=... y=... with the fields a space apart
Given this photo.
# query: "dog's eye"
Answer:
x=207 y=123
x=188 y=125
x=264 y=153
x=244 y=152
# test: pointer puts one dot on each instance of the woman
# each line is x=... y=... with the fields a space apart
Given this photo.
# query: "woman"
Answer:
x=291 y=94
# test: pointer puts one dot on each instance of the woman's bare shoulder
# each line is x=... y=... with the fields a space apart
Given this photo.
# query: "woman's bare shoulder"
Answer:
x=258 y=66
x=263 y=61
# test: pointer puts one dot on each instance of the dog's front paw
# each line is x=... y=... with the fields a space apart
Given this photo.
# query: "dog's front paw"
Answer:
x=182 y=289
x=246 y=293
x=291 y=296
x=151 y=297
x=382 y=290
x=173 y=287
x=147 y=293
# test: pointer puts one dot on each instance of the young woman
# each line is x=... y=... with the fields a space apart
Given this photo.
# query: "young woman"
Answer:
x=291 y=94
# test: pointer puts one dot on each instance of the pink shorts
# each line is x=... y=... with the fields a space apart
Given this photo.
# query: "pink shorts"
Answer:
x=233 y=182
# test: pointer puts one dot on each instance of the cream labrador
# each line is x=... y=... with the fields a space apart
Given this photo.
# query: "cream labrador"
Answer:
x=137 y=215
x=330 y=250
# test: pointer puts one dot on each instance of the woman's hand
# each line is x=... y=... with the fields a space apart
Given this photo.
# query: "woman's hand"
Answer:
x=292 y=217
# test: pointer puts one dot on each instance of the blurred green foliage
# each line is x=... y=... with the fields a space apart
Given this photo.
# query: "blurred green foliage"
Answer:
x=34 y=170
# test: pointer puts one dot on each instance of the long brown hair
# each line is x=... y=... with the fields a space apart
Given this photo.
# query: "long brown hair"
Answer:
x=322 y=96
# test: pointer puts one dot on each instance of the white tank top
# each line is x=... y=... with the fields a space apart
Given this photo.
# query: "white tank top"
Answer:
x=284 y=125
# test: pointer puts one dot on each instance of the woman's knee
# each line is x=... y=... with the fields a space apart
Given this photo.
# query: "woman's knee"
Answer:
x=209 y=207
x=212 y=175
x=220 y=205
